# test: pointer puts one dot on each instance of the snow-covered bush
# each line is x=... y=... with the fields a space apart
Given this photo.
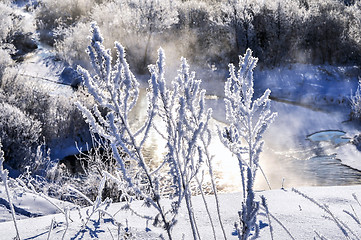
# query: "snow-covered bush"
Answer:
x=53 y=16
x=5 y=61
x=12 y=26
x=248 y=120
x=71 y=48
x=8 y=21
x=355 y=100
x=15 y=28
x=138 y=25
x=58 y=116
x=63 y=120
x=19 y=134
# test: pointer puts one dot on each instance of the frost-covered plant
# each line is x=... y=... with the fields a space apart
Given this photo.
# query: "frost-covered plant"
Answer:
x=183 y=110
x=19 y=134
x=28 y=186
x=5 y=61
x=51 y=16
x=98 y=205
x=95 y=161
x=4 y=177
x=116 y=90
x=248 y=120
x=58 y=116
x=355 y=100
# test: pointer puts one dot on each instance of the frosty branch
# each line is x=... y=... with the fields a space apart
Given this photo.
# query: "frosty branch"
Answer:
x=183 y=111
x=116 y=91
x=248 y=120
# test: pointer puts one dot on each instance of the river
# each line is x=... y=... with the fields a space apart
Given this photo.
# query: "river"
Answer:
x=289 y=158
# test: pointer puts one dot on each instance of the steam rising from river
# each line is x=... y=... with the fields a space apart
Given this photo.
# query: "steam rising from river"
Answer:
x=288 y=158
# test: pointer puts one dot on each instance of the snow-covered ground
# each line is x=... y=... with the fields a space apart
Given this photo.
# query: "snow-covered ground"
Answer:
x=297 y=214
x=28 y=205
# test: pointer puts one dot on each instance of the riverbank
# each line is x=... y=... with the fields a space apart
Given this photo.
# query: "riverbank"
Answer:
x=298 y=215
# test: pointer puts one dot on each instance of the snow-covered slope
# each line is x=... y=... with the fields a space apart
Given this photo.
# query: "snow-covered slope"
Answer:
x=28 y=205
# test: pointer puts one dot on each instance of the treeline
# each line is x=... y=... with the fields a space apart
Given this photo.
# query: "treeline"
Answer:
x=209 y=32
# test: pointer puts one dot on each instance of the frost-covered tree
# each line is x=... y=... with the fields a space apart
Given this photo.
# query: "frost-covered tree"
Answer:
x=155 y=16
x=240 y=17
x=248 y=120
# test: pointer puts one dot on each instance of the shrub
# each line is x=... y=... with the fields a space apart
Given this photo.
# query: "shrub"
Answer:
x=5 y=61
x=13 y=24
x=137 y=25
x=53 y=16
x=58 y=116
x=71 y=48
x=10 y=22
x=19 y=134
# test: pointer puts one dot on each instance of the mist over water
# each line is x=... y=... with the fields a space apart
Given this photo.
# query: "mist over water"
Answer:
x=289 y=159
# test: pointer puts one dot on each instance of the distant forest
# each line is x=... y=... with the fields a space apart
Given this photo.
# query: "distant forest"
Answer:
x=212 y=32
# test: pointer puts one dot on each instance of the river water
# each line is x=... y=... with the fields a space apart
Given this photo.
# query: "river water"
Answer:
x=290 y=158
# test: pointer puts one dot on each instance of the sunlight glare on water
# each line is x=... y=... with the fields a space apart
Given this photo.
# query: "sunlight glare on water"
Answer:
x=296 y=152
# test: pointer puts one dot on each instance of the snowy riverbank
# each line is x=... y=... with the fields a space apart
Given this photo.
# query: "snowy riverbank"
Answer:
x=300 y=216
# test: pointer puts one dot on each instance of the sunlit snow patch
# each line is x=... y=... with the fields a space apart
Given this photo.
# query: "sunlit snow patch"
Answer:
x=333 y=136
